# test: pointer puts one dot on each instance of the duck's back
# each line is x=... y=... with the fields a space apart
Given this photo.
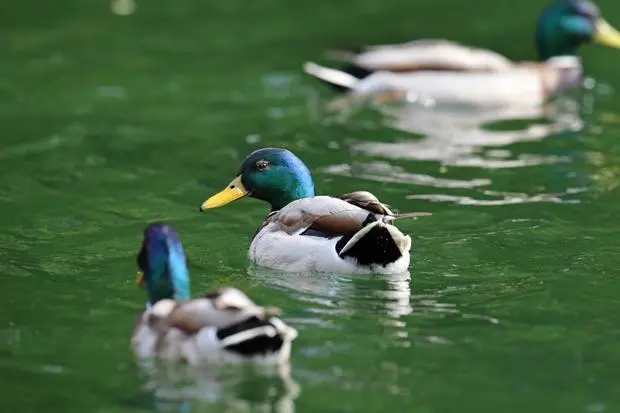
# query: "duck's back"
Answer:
x=430 y=54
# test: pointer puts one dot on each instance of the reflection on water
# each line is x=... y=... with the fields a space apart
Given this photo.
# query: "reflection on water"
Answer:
x=457 y=136
x=320 y=284
x=182 y=388
x=460 y=136
x=384 y=172
x=607 y=175
x=396 y=296
x=328 y=301
x=123 y=7
x=431 y=305
x=331 y=301
x=343 y=295
x=503 y=198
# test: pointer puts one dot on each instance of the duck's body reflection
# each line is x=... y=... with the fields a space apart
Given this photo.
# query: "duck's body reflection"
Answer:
x=332 y=296
x=456 y=135
x=460 y=136
x=180 y=388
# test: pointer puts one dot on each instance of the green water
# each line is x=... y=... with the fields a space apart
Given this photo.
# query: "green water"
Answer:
x=110 y=122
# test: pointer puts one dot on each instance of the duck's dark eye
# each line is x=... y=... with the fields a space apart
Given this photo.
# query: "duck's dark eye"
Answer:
x=262 y=165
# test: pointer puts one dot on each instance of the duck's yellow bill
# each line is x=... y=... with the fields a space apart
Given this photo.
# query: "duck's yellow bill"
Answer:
x=233 y=191
x=606 y=35
x=140 y=279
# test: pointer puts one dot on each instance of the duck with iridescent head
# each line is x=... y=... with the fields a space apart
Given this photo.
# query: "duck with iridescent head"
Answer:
x=305 y=233
x=223 y=326
x=453 y=73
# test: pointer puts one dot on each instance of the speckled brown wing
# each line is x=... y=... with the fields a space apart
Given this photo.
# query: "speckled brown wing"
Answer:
x=367 y=201
x=381 y=211
x=328 y=215
x=218 y=308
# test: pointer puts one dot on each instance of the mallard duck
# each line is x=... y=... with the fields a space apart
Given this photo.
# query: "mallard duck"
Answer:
x=352 y=233
x=221 y=326
x=450 y=72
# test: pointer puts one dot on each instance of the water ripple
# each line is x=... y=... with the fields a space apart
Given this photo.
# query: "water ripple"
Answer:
x=384 y=172
x=453 y=136
x=507 y=198
x=178 y=388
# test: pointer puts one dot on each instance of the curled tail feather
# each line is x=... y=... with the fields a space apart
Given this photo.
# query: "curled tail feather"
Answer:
x=340 y=79
x=376 y=243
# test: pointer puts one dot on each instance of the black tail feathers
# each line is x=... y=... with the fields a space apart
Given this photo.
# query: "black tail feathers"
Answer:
x=374 y=245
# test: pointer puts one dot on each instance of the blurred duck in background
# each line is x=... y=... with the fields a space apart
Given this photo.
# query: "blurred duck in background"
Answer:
x=451 y=73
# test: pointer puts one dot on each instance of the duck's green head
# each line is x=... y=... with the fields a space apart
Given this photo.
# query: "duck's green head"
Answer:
x=272 y=174
x=163 y=268
x=566 y=24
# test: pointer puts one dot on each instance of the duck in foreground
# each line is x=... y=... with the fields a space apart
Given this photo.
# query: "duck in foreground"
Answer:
x=223 y=326
x=450 y=72
x=352 y=233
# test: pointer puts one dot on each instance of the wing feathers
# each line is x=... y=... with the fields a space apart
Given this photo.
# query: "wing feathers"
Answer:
x=328 y=214
x=425 y=54
x=191 y=316
x=334 y=215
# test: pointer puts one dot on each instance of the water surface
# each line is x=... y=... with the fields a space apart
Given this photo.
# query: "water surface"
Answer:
x=114 y=115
